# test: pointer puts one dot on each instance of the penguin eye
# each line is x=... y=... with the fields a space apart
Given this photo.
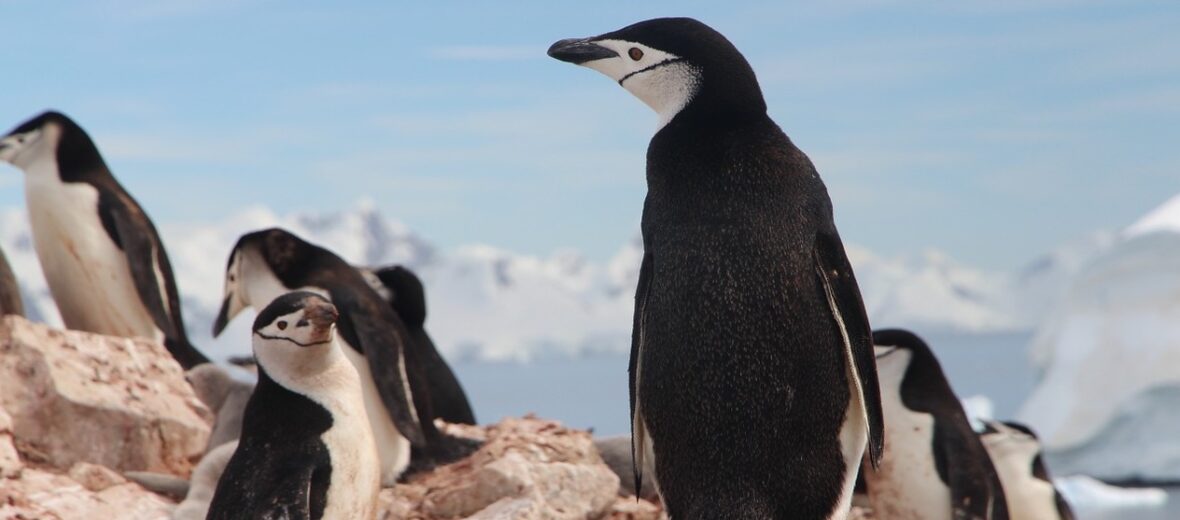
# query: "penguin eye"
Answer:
x=301 y=323
x=282 y=325
x=231 y=277
x=635 y=53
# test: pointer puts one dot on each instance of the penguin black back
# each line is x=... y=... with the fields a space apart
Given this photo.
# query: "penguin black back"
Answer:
x=753 y=384
x=408 y=298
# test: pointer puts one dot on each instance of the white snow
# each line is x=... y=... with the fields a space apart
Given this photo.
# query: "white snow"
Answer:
x=978 y=408
x=1109 y=352
x=1087 y=493
x=490 y=303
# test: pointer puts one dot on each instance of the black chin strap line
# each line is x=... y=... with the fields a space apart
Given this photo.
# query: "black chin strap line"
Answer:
x=651 y=67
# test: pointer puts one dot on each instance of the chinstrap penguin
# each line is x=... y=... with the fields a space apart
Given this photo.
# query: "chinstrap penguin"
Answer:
x=404 y=291
x=306 y=450
x=1016 y=453
x=934 y=466
x=265 y=264
x=102 y=258
x=753 y=383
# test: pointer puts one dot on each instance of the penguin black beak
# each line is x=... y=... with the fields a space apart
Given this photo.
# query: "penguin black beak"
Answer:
x=321 y=314
x=579 y=51
x=222 y=317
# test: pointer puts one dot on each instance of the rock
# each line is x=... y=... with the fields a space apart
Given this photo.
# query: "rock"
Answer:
x=10 y=464
x=94 y=477
x=630 y=508
x=80 y=397
x=44 y=495
x=616 y=452
x=528 y=468
x=166 y=484
x=860 y=513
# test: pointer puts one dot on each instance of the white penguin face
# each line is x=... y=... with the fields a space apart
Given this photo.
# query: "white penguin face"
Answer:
x=27 y=149
x=306 y=327
x=664 y=81
x=293 y=333
x=249 y=281
x=892 y=363
x=1009 y=445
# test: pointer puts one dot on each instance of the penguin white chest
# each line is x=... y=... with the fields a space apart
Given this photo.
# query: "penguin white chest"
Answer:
x=392 y=448
x=1028 y=497
x=356 y=479
x=907 y=485
x=87 y=273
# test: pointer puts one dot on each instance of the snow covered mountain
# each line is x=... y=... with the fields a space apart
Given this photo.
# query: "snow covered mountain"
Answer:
x=1110 y=358
x=489 y=303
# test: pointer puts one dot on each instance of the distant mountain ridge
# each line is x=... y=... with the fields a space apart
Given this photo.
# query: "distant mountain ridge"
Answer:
x=490 y=303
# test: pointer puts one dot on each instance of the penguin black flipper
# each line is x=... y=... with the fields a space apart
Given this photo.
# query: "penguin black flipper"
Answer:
x=638 y=431
x=383 y=348
x=291 y=498
x=835 y=272
x=408 y=299
x=976 y=492
x=131 y=230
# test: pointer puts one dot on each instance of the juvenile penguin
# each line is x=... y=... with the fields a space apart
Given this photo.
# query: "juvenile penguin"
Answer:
x=195 y=500
x=404 y=291
x=934 y=466
x=225 y=396
x=10 y=301
x=752 y=377
x=265 y=264
x=306 y=451
x=1016 y=453
x=102 y=258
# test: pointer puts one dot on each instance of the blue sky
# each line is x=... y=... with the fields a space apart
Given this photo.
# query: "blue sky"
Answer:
x=991 y=130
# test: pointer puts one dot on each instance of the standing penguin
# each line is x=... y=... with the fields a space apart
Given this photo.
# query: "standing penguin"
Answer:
x=265 y=264
x=752 y=376
x=104 y=262
x=403 y=290
x=934 y=467
x=306 y=450
x=1016 y=453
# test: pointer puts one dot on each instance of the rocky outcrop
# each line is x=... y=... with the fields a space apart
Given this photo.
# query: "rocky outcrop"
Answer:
x=97 y=493
x=528 y=468
x=10 y=464
x=80 y=397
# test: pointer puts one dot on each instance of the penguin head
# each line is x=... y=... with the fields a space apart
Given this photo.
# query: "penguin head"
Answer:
x=673 y=65
x=896 y=350
x=262 y=266
x=292 y=331
x=406 y=294
x=1007 y=439
x=47 y=139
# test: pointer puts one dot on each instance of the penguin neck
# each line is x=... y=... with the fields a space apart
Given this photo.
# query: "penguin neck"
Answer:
x=310 y=371
x=78 y=159
x=705 y=153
